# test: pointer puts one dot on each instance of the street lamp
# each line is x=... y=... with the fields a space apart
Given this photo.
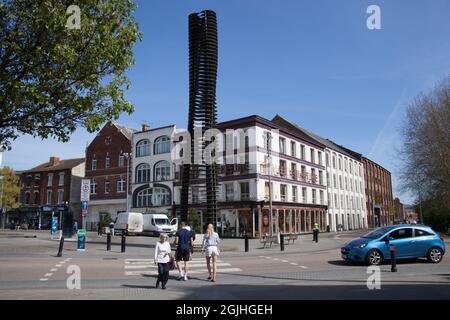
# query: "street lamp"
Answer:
x=268 y=137
x=128 y=156
x=2 y=218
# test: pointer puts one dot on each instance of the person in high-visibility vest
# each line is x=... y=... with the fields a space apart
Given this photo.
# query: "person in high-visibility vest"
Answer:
x=316 y=232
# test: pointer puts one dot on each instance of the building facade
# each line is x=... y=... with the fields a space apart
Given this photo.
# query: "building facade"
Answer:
x=153 y=170
x=107 y=158
x=399 y=211
x=344 y=178
x=411 y=214
x=379 y=201
x=50 y=189
x=263 y=161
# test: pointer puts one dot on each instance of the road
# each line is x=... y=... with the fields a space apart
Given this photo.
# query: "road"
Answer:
x=29 y=269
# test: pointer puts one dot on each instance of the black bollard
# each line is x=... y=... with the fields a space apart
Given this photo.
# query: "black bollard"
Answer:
x=61 y=245
x=282 y=242
x=246 y=243
x=392 y=249
x=108 y=242
x=122 y=243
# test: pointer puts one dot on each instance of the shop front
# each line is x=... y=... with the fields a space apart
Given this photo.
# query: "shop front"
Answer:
x=291 y=219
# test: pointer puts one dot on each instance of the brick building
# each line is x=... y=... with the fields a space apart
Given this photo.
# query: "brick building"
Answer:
x=379 y=201
x=50 y=189
x=107 y=158
x=399 y=210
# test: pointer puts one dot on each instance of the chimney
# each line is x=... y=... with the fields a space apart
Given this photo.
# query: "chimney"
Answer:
x=145 y=127
x=54 y=161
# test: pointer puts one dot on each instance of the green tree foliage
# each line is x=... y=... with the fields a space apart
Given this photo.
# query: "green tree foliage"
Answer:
x=54 y=78
x=194 y=220
x=9 y=189
x=435 y=214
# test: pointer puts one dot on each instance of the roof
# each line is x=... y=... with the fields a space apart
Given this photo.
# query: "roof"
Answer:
x=62 y=165
x=126 y=131
x=154 y=129
x=326 y=142
x=276 y=123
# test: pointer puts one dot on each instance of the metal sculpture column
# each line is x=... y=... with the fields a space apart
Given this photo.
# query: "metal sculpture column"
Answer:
x=202 y=112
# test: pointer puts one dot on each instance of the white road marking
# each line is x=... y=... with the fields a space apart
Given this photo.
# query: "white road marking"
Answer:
x=58 y=265
x=43 y=279
x=48 y=274
x=303 y=267
x=294 y=264
x=284 y=261
x=191 y=265
x=53 y=269
x=154 y=273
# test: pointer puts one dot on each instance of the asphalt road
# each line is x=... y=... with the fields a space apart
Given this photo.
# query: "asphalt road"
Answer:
x=29 y=269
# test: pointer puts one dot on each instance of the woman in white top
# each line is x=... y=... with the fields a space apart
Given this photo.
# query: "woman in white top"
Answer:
x=210 y=242
x=162 y=258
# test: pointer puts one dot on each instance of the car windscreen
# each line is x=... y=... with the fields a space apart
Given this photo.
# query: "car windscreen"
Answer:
x=377 y=233
x=161 y=221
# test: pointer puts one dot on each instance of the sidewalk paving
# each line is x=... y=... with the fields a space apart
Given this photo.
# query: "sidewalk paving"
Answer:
x=230 y=246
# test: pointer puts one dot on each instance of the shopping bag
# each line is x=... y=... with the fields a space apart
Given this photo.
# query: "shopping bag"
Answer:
x=172 y=265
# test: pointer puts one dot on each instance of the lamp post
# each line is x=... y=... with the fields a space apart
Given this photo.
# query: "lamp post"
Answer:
x=127 y=155
x=2 y=216
x=268 y=137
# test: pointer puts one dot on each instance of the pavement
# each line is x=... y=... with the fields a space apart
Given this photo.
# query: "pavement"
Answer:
x=29 y=269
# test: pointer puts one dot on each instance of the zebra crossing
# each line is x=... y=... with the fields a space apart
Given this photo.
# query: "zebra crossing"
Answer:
x=146 y=267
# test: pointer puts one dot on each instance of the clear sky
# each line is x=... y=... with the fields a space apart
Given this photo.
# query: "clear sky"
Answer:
x=314 y=62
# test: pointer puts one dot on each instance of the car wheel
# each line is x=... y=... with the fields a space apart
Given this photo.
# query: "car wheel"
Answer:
x=435 y=255
x=374 y=258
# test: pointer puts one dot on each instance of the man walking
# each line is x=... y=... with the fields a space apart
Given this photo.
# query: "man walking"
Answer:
x=75 y=228
x=184 y=241
x=316 y=232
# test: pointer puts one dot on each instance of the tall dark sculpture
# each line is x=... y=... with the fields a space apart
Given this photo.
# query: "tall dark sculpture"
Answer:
x=202 y=112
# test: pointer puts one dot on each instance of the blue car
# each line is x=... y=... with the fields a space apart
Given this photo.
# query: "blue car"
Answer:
x=410 y=241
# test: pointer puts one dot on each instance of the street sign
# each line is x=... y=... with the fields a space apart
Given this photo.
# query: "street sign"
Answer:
x=81 y=243
x=84 y=208
x=54 y=224
x=85 y=189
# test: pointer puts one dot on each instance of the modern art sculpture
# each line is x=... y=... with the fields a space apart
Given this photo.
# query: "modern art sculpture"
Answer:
x=199 y=174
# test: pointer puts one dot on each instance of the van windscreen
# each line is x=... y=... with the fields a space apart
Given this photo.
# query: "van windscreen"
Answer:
x=161 y=221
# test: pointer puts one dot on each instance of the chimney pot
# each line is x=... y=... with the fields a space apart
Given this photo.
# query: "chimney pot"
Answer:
x=145 y=127
x=54 y=161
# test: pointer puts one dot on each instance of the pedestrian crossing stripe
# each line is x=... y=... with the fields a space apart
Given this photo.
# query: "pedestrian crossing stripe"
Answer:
x=139 y=261
x=138 y=267
x=191 y=265
x=154 y=273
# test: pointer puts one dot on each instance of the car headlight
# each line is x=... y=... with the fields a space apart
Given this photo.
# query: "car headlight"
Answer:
x=360 y=246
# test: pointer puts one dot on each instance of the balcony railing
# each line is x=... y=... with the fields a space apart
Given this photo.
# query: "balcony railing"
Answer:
x=293 y=174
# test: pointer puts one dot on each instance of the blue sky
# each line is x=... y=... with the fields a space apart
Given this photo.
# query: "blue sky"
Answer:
x=313 y=62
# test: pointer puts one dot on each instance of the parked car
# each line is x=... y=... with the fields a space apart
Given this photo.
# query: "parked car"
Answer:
x=410 y=241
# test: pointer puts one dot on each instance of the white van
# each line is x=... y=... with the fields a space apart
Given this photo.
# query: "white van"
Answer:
x=156 y=224
x=130 y=222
